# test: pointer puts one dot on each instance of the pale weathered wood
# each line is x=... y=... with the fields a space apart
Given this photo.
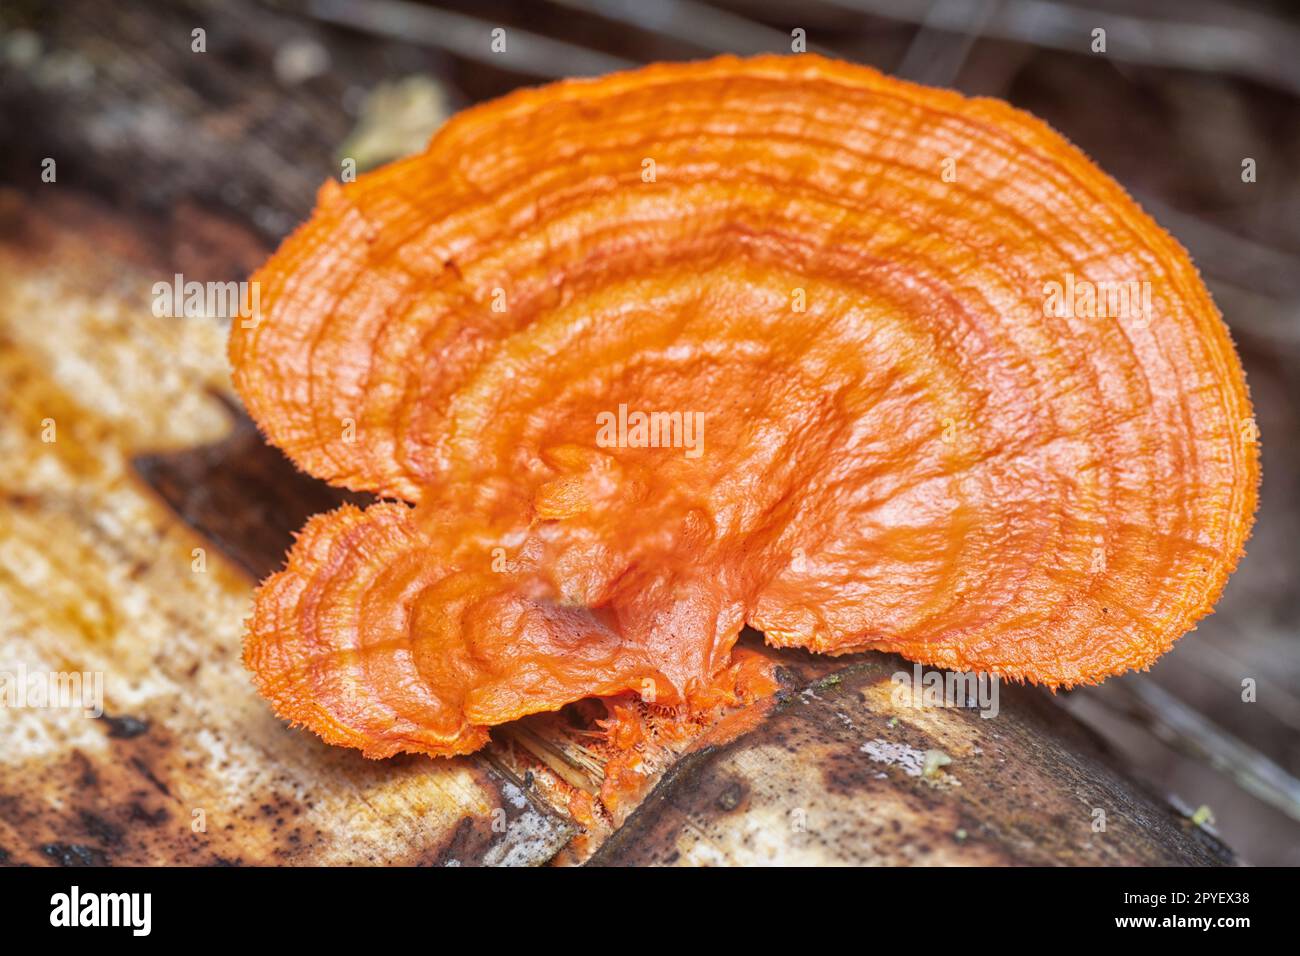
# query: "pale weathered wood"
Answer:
x=99 y=575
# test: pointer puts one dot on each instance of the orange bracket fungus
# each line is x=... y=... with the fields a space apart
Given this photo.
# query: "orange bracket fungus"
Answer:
x=778 y=341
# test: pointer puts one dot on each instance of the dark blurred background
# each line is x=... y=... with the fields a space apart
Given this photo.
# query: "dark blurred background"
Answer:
x=215 y=157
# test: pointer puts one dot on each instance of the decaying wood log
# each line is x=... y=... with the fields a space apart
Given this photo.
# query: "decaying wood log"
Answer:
x=99 y=574
x=841 y=774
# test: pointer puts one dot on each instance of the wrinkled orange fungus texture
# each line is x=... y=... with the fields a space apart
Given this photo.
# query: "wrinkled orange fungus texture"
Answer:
x=778 y=341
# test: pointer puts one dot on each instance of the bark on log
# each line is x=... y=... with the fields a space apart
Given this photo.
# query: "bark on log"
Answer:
x=836 y=775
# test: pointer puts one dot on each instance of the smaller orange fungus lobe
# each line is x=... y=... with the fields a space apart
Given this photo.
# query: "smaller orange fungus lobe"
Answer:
x=800 y=381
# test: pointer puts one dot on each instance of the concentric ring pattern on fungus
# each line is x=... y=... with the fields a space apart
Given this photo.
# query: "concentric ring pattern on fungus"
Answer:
x=941 y=388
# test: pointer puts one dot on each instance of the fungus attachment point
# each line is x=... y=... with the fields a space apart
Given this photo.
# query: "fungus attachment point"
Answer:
x=999 y=427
